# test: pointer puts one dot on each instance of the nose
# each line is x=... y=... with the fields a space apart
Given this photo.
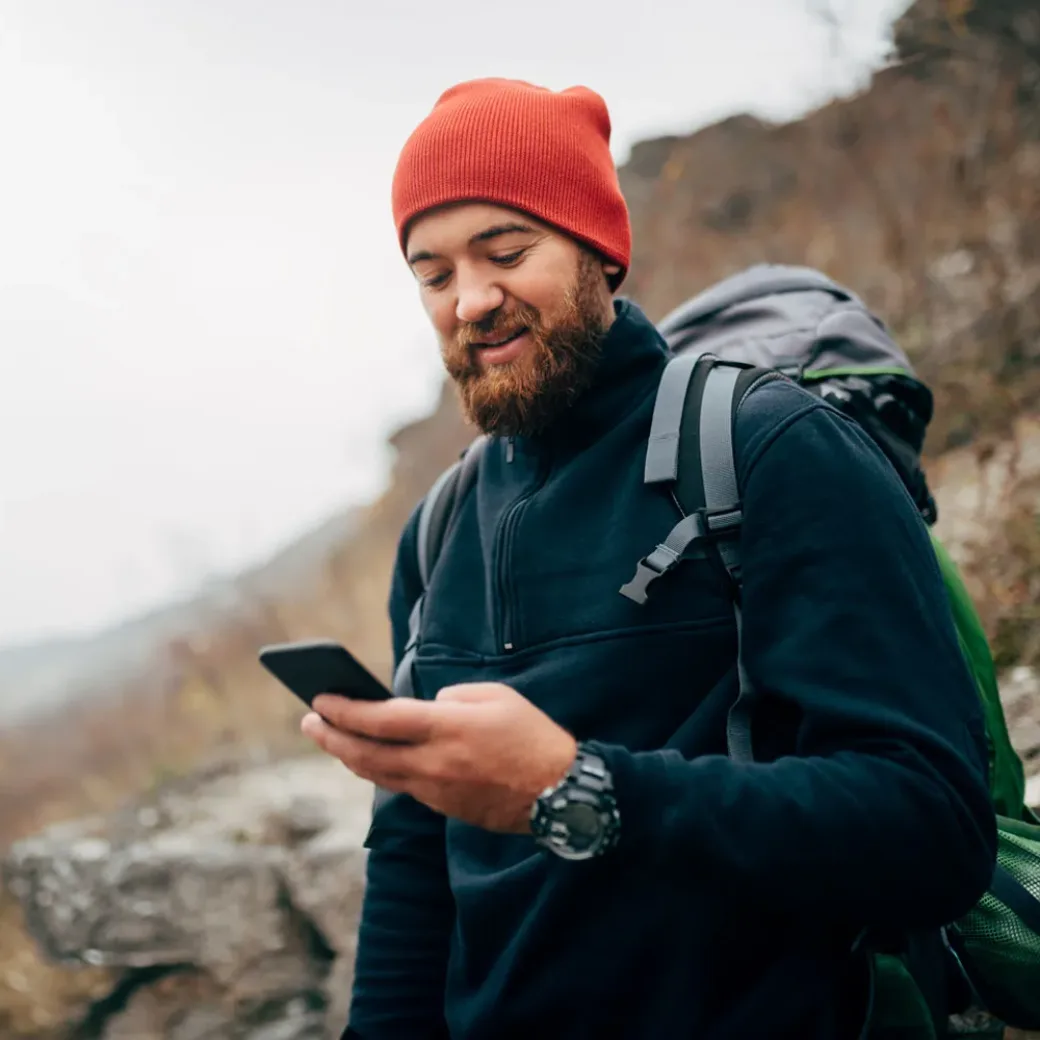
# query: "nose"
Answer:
x=477 y=297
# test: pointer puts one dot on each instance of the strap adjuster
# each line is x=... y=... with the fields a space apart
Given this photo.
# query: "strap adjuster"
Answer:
x=720 y=523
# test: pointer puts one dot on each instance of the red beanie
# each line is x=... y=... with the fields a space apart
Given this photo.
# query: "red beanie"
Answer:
x=507 y=142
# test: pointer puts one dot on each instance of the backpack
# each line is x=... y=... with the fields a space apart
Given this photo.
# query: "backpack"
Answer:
x=782 y=322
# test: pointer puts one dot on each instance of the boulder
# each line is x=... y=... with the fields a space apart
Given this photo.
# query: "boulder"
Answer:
x=1020 y=695
x=225 y=909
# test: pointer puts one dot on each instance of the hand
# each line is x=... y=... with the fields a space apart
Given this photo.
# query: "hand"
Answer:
x=481 y=752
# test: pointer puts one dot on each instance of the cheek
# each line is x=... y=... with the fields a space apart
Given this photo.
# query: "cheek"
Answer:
x=440 y=309
x=542 y=288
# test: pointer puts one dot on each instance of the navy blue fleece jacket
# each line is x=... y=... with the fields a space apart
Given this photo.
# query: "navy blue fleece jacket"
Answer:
x=728 y=906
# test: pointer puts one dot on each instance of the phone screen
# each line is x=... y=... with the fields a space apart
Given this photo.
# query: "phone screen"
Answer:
x=321 y=666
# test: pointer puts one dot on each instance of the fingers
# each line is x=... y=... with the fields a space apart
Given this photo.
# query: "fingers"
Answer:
x=473 y=693
x=402 y=719
x=388 y=765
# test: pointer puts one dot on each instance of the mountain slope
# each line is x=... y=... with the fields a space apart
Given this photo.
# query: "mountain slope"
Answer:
x=923 y=192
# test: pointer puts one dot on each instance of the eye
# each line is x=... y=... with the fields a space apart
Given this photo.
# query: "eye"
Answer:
x=435 y=281
x=507 y=259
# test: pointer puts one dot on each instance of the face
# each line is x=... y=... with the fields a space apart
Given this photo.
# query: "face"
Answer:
x=519 y=308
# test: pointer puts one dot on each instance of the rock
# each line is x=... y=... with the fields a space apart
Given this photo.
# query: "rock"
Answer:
x=191 y=1007
x=338 y=984
x=1020 y=695
x=168 y=900
x=227 y=910
x=187 y=1006
x=1033 y=792
x=326 y=883
x=37 y=997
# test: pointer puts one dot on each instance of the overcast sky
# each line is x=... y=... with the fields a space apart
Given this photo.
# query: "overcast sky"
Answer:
x=206 y=330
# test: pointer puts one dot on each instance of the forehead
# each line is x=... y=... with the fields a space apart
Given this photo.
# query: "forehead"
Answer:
x=452 y=228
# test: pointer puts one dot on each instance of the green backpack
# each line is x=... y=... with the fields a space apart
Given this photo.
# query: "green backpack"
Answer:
x=774 y=322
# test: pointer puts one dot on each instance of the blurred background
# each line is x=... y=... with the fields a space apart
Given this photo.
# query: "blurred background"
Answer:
x=220 y=401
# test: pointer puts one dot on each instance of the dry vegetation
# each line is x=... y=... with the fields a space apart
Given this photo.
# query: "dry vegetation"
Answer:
x=216 y=706
x=923 y=193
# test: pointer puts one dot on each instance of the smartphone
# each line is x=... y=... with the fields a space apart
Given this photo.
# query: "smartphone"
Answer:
x=321 y=666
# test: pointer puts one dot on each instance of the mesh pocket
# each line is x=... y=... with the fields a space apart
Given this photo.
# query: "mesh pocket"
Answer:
x=1001 y=953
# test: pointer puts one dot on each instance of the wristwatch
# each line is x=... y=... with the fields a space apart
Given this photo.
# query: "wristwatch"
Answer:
x=578 y=818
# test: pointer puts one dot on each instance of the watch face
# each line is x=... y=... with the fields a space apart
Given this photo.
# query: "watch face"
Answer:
x=584 y=825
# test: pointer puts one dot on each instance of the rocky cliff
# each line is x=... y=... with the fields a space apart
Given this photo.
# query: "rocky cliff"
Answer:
x=223 y=906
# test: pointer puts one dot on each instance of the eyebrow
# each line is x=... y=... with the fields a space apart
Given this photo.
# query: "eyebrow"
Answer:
x=486 y=235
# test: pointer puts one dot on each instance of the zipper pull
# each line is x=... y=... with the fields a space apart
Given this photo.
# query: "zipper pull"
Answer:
x=509 y=449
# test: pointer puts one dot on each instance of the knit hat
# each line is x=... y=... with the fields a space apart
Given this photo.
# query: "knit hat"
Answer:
x=543 y=152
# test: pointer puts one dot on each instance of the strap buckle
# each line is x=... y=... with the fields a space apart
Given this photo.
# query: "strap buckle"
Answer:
x=648 y=570
x=701 y=526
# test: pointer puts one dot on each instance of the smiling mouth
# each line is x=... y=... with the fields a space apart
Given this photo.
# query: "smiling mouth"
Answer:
x=502 y=342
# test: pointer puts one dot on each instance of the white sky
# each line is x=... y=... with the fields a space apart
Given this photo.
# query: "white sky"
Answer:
x=206 y=330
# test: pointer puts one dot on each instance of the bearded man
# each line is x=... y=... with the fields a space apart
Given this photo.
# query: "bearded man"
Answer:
x=566 y=849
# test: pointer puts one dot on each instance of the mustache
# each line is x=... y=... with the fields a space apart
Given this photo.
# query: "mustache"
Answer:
x=497 y=325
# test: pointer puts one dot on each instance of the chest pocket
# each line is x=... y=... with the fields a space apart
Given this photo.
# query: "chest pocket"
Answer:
x=548 y=563
x=576 y=544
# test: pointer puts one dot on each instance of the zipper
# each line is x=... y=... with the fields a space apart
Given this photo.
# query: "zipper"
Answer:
x=508 y=610
x=509 y=613
x=505 y=613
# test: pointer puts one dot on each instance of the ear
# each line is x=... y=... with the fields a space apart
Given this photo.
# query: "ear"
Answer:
x=612 y=273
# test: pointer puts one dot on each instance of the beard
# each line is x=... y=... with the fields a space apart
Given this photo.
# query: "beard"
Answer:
x=524 y=396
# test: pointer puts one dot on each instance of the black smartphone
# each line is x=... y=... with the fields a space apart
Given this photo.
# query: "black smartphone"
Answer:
x=321 y=666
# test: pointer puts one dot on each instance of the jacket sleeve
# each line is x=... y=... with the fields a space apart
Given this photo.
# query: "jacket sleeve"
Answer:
x=880 y=814
x=408 y=911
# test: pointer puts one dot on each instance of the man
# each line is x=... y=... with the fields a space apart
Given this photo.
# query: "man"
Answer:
x=698 y=897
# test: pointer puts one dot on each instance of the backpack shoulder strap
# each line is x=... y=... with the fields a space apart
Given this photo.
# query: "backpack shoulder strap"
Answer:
x=440 y=504
x=691 y=448
x=439 y=508
x=714 y=415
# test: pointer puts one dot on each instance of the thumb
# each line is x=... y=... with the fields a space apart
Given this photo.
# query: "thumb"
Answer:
x=476 y=692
